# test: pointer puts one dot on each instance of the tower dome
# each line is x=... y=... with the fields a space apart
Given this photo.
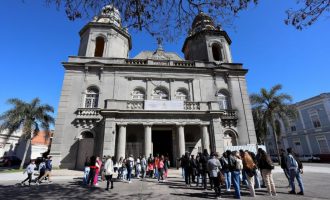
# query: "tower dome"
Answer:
x=202 y=22
x=109 y=15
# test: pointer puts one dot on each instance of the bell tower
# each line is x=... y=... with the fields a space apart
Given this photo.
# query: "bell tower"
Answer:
x=104 y=36
x=206 y=42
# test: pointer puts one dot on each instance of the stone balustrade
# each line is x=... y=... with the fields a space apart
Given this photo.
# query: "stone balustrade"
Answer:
x=192 y=106
x=88 y=113
x=188 y=106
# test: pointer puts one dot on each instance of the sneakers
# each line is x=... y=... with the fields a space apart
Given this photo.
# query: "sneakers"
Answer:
x=300 y=193
x=22 y=184
x=292 y=192
x=219 y=197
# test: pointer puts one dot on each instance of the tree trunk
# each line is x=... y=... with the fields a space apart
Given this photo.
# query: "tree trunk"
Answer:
x=276 y=144
x=28 y=143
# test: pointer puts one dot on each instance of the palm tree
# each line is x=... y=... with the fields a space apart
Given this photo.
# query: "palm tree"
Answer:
x=28 y=117
x=268 y=108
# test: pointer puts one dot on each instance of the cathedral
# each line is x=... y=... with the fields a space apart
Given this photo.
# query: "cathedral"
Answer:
x=153 y=103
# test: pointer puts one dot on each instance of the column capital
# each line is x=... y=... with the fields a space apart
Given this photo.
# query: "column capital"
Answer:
x=147 y=124
x=122 y=124
x=180 y=124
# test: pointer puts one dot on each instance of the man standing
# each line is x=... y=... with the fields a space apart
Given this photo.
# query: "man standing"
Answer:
x=214 y=168
x=284 y=164
x=143 y=166
x=295 y=168
x=204 y=159
x=129 y=165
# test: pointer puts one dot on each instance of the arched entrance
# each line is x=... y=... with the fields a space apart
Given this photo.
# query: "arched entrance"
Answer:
x=229 y=138
x=85 y=149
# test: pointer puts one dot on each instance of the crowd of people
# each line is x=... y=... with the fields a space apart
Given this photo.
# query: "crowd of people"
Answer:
x=44 y=171
x=239 y=168
x=233 y=169
x=125 y=169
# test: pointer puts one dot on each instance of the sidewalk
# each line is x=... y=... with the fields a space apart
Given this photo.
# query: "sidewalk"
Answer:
x=60 y=174
x=65 y=174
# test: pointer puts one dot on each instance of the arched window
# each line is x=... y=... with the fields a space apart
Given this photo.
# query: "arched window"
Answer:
x=99 y=46
x=223 y=99
x=181 y=94
x=160 y=94
x=92 y=97
x=230 y=139
x=216 y=52
x=138 y=94
x=87 y=134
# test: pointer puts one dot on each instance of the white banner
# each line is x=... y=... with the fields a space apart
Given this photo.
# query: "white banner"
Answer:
x=163 y=105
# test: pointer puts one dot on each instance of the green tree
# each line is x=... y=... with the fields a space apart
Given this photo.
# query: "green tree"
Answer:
x=268 y=107
x=28 y=117
x=168 y=18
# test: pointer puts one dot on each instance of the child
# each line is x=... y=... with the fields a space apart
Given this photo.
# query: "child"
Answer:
x=29 y=169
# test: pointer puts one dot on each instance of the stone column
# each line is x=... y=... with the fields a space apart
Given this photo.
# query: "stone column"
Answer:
x=205 y=138
x=147 y=140
x=109 y=137
x=121 y=145
x=182 y=147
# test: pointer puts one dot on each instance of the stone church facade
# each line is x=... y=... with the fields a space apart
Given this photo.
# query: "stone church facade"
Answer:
x=154 y=103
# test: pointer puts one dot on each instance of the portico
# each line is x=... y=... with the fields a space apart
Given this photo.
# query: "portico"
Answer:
x=142 y=138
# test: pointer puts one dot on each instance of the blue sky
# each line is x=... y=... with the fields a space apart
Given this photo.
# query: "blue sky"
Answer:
x=35 y=39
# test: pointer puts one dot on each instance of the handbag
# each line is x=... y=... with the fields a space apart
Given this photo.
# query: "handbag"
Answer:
x=221 y=178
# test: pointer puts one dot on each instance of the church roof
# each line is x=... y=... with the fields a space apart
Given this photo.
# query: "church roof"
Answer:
x=159 y=54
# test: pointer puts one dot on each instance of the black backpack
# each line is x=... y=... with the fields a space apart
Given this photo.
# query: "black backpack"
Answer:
x=231 y=163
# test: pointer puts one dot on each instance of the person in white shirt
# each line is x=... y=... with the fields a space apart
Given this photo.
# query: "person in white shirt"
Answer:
x=109 y=171
x=29 y=169
x=129 y=165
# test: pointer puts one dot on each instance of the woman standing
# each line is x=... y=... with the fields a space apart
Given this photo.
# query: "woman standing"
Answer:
x=161 y=168
x=249 y=167
x=166 y=167
x=98 y=166
x=225 y=170
x=237 y=167
x=108 y=170
x=92 y=167
x=266 y=166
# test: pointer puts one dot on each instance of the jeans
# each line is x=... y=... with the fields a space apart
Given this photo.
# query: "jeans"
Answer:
x=86 y=173
x=129 y=173
x=143 y=172
x=286 y=173
x=28 y=178
x=160 y=174
x=91 y=176
x=257 y=179
x=244 y=178
x=236 y=183
x=295 y=173
x=156 y=173
x=227 y=175
x=187 y=175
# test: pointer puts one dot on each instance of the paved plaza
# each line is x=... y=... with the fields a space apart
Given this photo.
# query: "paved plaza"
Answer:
x=67 y=185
